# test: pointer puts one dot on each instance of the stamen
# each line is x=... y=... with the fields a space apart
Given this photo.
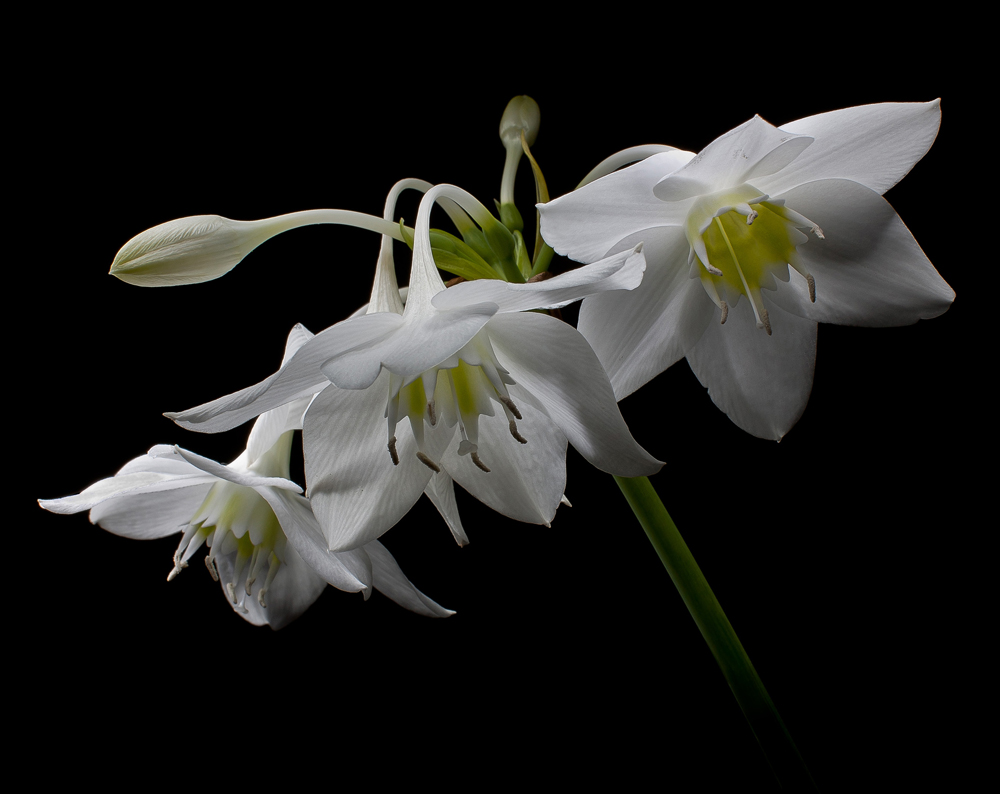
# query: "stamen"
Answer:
x=812 y=288
x=431 y=415
x=698 y=244
x=392 y=451
x=725 y=312
x=479 y=463
x=231 y=589
x=252 y=574
x=430 y=464
x=510 y=406
x=177 y=569
x=753 y=295
x=273 y=564
x=513 y=432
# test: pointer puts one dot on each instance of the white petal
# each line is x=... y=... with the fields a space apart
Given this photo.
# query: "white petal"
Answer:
x=525 y=481
x=133 y=482
x=588 y=222
x=621 y=271
x=298 y=377
x=746 y=153
x=143 y=516
x=295 y=588
x=873 y=145
x=637 y=335
x=417 y=344
x=441 y=491
x=552 y=361
x=303 y=532
x=355 y=490
x=240 y=477
x=869 y=270
x=272 y=425
x=391 y=581
x=761 y=382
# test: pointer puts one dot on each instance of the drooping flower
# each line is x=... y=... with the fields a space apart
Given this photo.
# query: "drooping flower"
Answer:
x=265 y=545
x=800 y=204
x=491 y=391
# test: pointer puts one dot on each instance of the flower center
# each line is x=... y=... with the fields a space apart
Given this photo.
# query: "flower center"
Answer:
x=235 y=519
x=461 y=389
x=743 y=241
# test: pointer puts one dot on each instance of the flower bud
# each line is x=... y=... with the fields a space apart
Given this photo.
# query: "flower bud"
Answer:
x=186 y=251
x=521 y=113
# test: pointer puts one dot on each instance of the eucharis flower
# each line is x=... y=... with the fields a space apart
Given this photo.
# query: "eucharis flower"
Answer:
x=800 y=204
x=265 y=545
x=491 y=391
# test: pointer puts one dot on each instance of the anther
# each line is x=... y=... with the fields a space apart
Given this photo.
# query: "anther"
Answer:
x=210 y=564
x=812 y=288
x=518 y=436
x=478 y=462
x=231 y=589
x=725 y=312
x=430 y=464
x=767 y=323
x=260 y=598
x=431 y=415
x=392 y=451
x=510 y=406
x=177 y=569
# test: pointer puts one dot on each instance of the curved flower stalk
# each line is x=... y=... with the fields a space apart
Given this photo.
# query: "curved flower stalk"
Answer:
x=265 y=545
x=800 y=204
x=491 y=391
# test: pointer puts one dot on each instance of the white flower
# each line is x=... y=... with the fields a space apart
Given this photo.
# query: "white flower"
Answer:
x=491 y=392
x=265 y=545
x=800 y=204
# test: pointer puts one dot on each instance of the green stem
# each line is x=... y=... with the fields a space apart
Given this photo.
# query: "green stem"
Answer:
x=774 y=739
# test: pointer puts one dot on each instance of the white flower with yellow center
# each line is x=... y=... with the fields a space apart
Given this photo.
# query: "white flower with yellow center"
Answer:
x=491 y=391
x=264 y=543
x=800 y=204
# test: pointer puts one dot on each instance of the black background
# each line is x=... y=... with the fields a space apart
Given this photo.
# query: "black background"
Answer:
x=841 y=555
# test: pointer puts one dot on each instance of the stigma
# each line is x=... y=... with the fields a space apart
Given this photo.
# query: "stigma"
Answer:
x=740 y=242
x=458 y=391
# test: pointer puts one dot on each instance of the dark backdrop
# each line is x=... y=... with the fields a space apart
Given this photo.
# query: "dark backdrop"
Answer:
x=837 y=554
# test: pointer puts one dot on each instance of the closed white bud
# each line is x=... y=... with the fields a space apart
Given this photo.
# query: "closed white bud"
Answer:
x=187 y=251
x=522 y=113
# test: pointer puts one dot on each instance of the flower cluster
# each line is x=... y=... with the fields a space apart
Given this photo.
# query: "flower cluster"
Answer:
x=728 y=258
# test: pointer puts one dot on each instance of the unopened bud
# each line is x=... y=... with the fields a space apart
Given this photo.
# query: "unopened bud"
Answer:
x=522 y=113
x=187 y=251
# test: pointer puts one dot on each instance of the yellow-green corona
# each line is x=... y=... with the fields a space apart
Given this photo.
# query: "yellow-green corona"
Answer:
x=462 y=388
x=743 y=241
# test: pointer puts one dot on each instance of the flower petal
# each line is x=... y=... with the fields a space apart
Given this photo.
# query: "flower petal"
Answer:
x=873 y=145
x=761 y=382
x=355 y=490
x=585 y=224
x=415 y=345
x=666 y=315
x=553 y=362
x=298 y=377
x=621 y=271
x=246 y=478
x=392 y=582
x=748 y=152
x=144 y=516
x=525 y=481
x=869 y=270
x=304 y=533
x=295 y=588
x=441 y=491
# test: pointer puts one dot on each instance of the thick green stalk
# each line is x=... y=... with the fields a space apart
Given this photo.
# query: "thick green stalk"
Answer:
x=774 y=739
